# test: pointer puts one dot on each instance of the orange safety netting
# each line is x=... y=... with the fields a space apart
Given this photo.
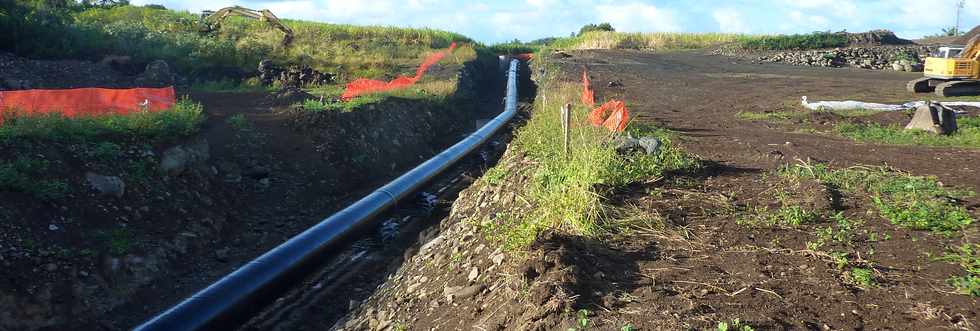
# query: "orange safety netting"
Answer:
x=612 y=115
x=617 y=114
x=363 y=86
x=588 y=96
x=525 y=57
x=87 y=101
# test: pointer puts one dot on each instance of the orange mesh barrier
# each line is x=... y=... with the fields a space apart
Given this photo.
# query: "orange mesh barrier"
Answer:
x=524 y=57
x=364 y=86
x=87 y=101
x=612 y=115
x=588 y=96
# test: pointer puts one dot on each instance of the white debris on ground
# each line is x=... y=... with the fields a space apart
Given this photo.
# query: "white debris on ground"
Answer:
x=851 y=105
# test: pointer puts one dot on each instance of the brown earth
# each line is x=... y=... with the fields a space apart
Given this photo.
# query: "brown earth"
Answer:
x=687 y=263
x=86 y=261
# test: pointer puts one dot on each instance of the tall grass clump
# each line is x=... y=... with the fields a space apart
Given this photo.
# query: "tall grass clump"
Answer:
x=816 y=40
x=569 y=193
x=183 y=120
x=50 y=29
x=647 y=41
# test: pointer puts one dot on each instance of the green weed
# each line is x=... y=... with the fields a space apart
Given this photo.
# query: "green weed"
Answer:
x=862 y=277
x=734 y=325
x=26 y=175
x=968 y=257
x=646 y=41
x=919 y=203
x=240 y=123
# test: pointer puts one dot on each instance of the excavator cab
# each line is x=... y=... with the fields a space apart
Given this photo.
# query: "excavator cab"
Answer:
x=951 y=71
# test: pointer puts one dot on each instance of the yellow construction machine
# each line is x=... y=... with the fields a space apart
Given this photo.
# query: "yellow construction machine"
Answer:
x=953 y=71
x=211 y=20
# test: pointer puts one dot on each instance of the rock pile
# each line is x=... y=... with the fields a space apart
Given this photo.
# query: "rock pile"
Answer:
x=904 y=58
x=292 y=75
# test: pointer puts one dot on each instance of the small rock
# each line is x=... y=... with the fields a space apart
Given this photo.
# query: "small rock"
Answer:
x=498 y=259
x=222 y=254
x=53 y=227
x=469 y=291
x=51 y=267
x=474 y=274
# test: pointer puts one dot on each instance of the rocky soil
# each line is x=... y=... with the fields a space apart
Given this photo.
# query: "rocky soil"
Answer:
x=130 y=227
x=17 y=73
x=875 y=50
x=898 y=58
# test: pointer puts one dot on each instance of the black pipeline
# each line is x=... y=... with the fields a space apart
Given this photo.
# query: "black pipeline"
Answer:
x=232 y=300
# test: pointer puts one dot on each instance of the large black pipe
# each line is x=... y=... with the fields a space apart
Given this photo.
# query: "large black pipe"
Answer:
x=232 y=300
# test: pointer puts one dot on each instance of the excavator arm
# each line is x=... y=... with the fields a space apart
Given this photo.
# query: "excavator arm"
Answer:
x=972 y=50
x=213 y=21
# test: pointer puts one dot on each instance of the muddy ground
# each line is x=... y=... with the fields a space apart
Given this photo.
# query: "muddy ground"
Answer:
x=693 y=265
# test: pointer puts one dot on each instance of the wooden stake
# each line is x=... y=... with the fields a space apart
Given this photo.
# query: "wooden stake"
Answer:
x=566 y=114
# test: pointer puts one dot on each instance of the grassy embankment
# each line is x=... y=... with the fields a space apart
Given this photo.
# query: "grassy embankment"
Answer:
x=571 y=193
x=679 y=40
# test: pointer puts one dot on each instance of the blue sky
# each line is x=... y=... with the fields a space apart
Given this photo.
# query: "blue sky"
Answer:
x=496 y=21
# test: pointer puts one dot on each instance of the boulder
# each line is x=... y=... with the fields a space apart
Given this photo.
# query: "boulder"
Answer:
x=157 y=74
x=628 y=144
x=178 y=159
x=933 y=118
x=106 y=185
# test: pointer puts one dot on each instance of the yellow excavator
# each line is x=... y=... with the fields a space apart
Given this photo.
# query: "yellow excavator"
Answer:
x=954 y=71
x=211 y=20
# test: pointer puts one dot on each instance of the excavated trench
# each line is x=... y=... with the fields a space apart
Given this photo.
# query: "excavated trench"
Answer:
x=349 y=276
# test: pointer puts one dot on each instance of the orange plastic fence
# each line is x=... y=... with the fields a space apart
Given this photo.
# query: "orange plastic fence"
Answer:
x=364 y=86
x=588 y=96
x=612 y=115
x=87 y=101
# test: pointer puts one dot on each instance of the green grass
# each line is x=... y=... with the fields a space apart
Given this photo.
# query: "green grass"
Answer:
x=968 y=257
x=967 y=136
x=569 y=192
x=914 y=202
x=788 y=215
x=862 y=277
x=147 y=34
x=816 y=40
x=734 y=325
x=646 y=41
x=183 y=120
x=24 y=174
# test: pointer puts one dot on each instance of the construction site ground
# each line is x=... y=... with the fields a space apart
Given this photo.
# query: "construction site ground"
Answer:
x=700 y=266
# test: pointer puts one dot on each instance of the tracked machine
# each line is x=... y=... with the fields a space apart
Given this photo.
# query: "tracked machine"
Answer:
x=953 y=71
x=211 y=20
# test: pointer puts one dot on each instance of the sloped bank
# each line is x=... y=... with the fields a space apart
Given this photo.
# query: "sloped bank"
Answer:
x=91 y=260
x=521 y=248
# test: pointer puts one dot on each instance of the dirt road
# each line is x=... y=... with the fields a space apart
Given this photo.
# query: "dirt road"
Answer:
x=699 y=95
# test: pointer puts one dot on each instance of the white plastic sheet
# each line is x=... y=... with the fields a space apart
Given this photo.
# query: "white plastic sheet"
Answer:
x=851 y=105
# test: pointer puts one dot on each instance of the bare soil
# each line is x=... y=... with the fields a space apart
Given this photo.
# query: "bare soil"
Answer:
x=697 y=266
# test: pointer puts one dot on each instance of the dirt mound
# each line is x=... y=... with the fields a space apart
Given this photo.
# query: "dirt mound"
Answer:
x=969 y=35
x=18 y=73
x=875 y=38
x=289 y=95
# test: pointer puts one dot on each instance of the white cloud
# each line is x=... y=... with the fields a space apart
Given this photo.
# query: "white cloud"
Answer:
x=637 y=17
x=730 y=20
